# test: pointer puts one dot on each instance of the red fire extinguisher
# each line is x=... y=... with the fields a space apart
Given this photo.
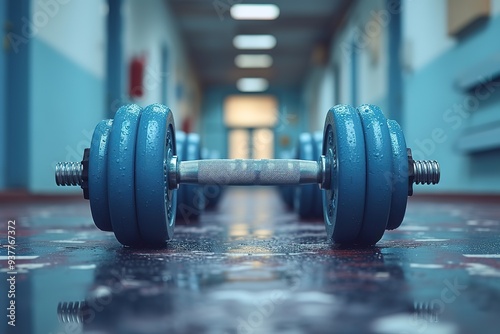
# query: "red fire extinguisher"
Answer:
x=136 y=87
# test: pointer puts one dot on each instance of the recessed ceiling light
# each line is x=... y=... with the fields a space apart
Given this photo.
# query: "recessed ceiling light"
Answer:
x=252 y=84
x=255 y=12
x=254 y=42
x=253 y=61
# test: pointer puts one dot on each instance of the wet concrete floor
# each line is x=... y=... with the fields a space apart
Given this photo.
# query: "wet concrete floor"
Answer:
x=251 y=266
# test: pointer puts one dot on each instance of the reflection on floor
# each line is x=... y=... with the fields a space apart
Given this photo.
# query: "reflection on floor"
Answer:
x=252 y=267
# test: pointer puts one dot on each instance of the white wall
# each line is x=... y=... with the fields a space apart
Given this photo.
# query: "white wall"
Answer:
x=367 y=27
x=370 y=21
x=150 y=25
x=76 y=29
x=431 y=98
x=67 y=84
x=495 y=7
x=424 y=34
x=326 y=98
x=68 y=75
x=310 y=97
x=437 y=111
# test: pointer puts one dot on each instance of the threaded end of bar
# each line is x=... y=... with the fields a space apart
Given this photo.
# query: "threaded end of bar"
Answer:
x=71 y=312
x=426 y=171
x=69 y=173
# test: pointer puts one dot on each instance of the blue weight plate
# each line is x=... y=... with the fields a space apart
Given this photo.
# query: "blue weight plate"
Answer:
x=121 y=175
x=318 y=193
x=378 y=170
x=304 y=194
x=98 y=176
x=180 y=142
x=399 y=179
x=156 y=203
x=344 y=149
x=194 y=200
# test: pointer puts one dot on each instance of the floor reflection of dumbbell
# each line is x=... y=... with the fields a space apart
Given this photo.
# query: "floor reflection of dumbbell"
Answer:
x=131 y=173
x=128 y=288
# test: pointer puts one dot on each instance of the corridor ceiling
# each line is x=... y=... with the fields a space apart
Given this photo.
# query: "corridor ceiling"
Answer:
x=208 y=29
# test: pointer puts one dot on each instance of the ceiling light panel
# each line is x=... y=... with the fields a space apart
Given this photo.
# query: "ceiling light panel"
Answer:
x=254 y=42
x=253 y=61
x=255 y=12
x=249 y=85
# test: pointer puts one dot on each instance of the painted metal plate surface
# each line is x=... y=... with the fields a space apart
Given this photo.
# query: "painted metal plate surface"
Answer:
x=399 y=179
x=156 y=203
x=378 y=173
x=344 y=149
x=98 y=175
x=121 y=175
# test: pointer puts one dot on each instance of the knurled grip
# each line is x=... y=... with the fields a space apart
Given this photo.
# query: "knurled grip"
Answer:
x=249 y=172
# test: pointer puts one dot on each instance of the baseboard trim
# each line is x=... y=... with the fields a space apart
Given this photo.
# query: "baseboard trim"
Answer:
x=16 y=196
x=460 y=197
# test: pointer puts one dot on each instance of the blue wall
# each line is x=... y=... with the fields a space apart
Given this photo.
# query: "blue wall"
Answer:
x=411 y=69
x=17 y=98
x=55 y=94
x=63 y=114
x=3 y=137
x=58 y=89
x=437 y=113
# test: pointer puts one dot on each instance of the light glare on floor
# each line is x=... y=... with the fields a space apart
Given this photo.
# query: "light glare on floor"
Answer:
x=255 y=42
x=255 y=12
x=253 y=61
x=252 y=84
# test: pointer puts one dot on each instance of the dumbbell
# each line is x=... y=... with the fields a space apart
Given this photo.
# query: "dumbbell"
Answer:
x=131 y=173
